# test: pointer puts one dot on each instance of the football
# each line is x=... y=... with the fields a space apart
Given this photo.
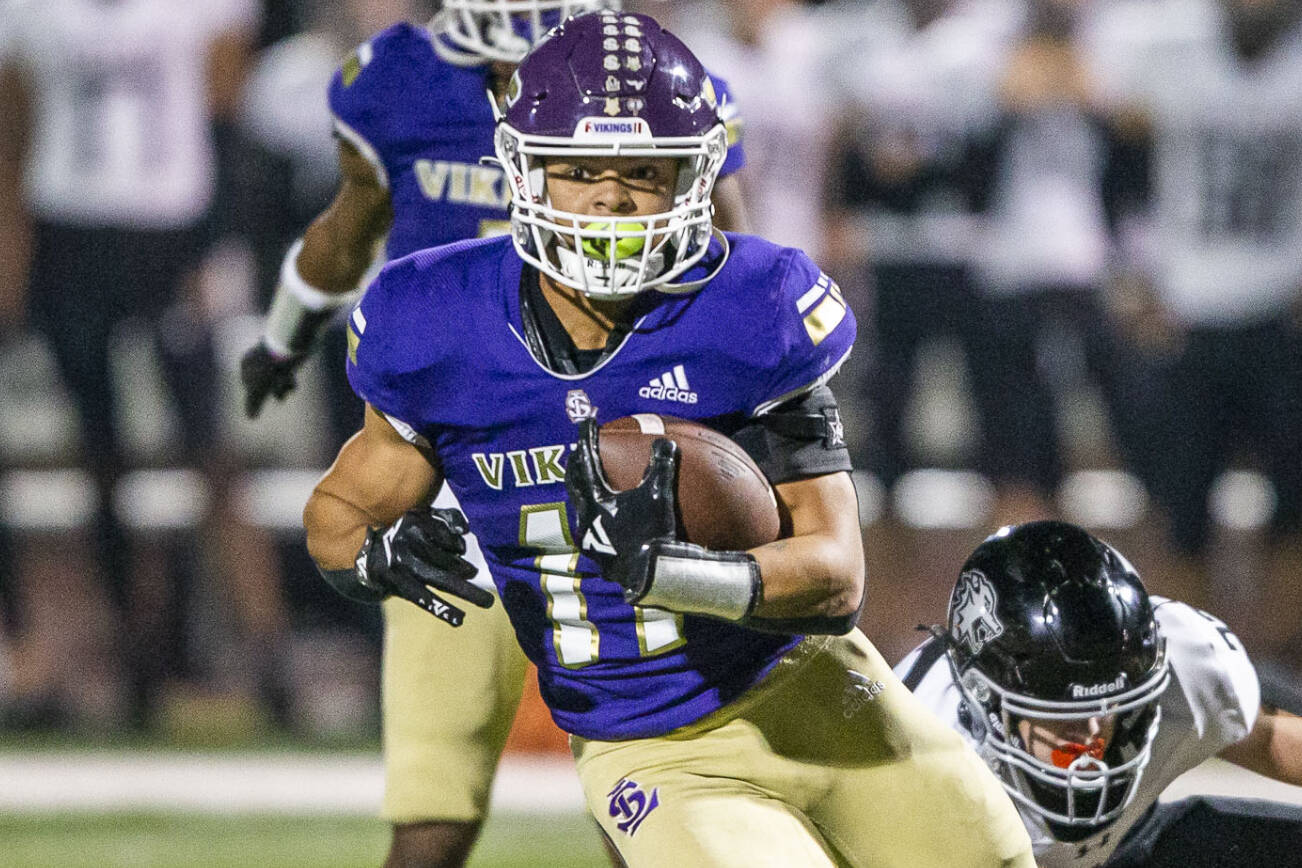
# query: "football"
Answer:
x=724 y=500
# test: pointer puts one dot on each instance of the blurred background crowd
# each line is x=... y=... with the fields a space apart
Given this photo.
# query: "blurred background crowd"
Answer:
x=1071 y=231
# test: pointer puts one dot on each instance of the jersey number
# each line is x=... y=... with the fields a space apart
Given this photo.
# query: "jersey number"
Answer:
x=1249 y=186
x=1228 y=635
x=546 y=527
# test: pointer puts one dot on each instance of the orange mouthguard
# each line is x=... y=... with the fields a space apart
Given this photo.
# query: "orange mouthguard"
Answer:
x=1064 y=755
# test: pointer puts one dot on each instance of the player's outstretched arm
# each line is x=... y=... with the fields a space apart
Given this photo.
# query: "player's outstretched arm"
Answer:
x=372 y=533
x=320 y=273
x=1273 y=748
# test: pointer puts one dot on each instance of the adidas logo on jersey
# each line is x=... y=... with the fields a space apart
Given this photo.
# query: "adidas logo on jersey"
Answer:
x=670 y=386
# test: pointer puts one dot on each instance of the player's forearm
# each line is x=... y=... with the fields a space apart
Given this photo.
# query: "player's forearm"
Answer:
x=1273 y=748
x=323 y=268
x=376 y=477
x=339 y=246
x=814 y=578
x=335 y=529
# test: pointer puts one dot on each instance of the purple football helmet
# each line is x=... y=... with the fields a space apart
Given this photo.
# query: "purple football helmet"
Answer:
x=470 y=32
x=616 y=85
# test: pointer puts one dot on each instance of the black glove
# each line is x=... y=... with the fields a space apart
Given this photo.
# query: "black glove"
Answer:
x=615 y=527
x=416 y=554
x=266 y=373
x=634 y=536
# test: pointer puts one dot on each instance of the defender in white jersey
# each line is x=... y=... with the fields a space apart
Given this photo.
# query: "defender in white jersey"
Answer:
x=1085 y=696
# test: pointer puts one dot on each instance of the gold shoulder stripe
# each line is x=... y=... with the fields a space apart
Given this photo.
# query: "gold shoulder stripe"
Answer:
x=820 y=321
x=734 y=128
x=351 y=69
x=353 y=341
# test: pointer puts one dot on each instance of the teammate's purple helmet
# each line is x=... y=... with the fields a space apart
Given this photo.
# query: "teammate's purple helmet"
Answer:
x=618 y=85
x=470 y=32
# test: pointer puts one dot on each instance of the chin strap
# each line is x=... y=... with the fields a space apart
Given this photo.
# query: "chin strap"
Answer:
x=693 y=285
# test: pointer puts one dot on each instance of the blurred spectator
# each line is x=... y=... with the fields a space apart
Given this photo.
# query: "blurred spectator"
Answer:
x=901 y=195
x=292 y=168
x=1053 y=178
x=1216 y=85
x=114 y=113
x=773 y=54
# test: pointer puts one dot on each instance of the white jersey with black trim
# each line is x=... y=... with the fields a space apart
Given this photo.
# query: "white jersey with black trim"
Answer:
x=1223 y=237
x=1211 y=703
x=119 y=106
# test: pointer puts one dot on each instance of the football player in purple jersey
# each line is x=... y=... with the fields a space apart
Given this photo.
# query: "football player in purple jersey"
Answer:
x=722 y=706
x=413 y=120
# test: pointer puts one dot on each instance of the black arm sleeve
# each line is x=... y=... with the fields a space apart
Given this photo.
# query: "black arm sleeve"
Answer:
x=798 y=439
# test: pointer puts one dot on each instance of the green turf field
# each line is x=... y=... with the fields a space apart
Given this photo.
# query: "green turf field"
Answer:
x=207 y=841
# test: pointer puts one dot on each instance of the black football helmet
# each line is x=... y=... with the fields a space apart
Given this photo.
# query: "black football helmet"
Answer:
x=1048 y=623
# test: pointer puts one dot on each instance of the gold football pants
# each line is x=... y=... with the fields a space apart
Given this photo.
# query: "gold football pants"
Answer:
x=830 y=761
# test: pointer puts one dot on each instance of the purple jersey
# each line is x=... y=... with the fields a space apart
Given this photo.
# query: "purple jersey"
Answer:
x=436 y=344
x=424 y=123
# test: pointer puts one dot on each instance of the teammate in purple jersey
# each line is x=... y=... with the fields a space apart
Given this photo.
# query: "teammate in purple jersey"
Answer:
x=722 y=706
x=413 y=120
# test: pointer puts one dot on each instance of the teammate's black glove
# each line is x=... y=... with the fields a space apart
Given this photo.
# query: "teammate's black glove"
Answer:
x=634 y=536
x=419 y=552
x=264 y=373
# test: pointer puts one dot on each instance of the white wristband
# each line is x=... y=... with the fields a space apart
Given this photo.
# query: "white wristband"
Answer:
x=299 y=311
x=720 y=588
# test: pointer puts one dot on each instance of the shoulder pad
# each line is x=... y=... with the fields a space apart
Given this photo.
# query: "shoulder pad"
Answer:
x=1212 y=670
x=813 y=327
x=369 y=92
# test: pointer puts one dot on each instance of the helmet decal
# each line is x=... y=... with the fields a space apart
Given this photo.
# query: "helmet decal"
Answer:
x=1089 y=691
x=974 y=602
x=513 y=89
x=707 y=91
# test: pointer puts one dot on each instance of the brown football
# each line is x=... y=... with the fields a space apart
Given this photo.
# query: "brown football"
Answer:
x=724 y=500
